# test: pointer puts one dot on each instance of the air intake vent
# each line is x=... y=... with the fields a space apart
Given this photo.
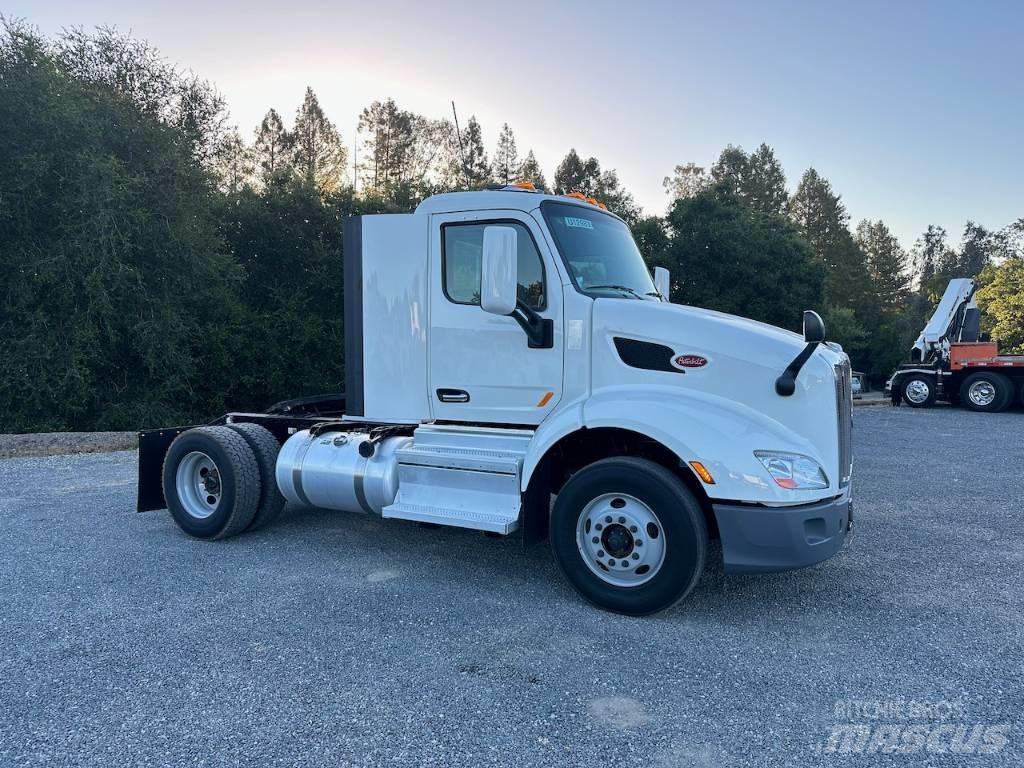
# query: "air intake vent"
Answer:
x=844 y=409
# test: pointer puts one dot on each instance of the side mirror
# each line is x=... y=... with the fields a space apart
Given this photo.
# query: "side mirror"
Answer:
x=814 y=328
x=662 y=282
x=498 y=271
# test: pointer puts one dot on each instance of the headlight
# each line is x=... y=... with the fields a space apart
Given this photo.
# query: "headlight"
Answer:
x=792 y=470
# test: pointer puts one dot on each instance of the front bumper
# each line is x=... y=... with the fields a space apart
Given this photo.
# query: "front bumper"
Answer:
x=759 y=539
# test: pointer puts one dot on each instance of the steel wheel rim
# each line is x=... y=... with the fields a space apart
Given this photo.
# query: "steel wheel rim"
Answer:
x=198 y=483
x=621 y=540
x=918 y=391
x=982 y=393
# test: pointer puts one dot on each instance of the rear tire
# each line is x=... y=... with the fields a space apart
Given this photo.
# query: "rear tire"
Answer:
x=986 y=391
x=627 y=504
x=265 y=448
x=211 y=482
x=919 y=391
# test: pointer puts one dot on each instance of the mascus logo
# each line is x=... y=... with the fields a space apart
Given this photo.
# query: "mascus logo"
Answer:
x=690 y=361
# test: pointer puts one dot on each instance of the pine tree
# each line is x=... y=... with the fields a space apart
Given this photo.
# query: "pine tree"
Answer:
x=976 y=249
x=317 y=150
x=531 y=171
x=234 y=163
x=473 y=168
x=271 y=148
x=764 y=188
x=730 y=170
x=577 y=175
x=887 y=264
x=388 y=145
x=506 y=157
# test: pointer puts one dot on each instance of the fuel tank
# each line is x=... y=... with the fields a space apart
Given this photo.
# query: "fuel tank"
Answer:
x=326 y=470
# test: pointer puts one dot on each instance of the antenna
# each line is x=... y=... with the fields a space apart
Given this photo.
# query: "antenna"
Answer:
x=462 y=154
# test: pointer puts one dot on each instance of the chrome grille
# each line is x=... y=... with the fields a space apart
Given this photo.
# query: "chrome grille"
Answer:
x=844 y=409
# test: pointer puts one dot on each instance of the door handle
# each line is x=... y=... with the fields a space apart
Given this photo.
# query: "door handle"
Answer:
x=453 y=395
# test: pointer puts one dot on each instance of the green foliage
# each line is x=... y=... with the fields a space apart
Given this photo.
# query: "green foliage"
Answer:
x=726 y=256
x=506 y=157
x=317 y=151
x=119 y=304
x=1001 y=298
x=577 y=175
x=530 y=171
x=756 y=180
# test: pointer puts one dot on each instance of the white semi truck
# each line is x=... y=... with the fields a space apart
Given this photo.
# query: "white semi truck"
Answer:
x=511 y=365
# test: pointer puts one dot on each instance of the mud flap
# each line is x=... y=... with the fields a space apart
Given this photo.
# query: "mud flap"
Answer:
x=153 y=445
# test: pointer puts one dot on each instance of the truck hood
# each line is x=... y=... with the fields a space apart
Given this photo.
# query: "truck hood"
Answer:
x=731 y=361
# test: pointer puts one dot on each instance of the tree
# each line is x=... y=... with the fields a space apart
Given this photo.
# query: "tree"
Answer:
x=726 y=256
x=686 y=181
x=1001 y=299
x=764 y=187
x=388 y=145
x=317 y=150
x=887 y=265
x=472 y=168
x=119 y=307
x=234 y=163
x=932 y=256
x=976 y=249
x=506 y=157
x=730 y=171
x=271 y=148
x=576 y=175
x=530 y=171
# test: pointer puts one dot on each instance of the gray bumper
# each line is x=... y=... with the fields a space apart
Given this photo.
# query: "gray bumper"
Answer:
x=758 y=539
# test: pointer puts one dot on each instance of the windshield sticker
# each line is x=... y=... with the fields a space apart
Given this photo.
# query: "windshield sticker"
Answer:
x=577 y=223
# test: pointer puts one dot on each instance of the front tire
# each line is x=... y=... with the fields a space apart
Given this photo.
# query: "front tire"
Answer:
x=986 y=391
x=211 y=482
x=919 y=391
x=629 y=536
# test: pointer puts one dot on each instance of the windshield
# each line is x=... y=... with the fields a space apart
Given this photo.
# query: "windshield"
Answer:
x=599 y=251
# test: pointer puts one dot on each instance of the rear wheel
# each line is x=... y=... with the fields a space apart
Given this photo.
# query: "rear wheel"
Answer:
x=986 y=391
x=919 y=391
x=211 y=482
x=629 y=535
x=265 y=448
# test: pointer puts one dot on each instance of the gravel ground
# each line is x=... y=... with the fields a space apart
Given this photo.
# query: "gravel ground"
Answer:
x=336 y=639
x=55 y=443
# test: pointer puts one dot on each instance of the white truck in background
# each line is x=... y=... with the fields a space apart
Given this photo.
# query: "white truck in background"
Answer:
x=507 y=348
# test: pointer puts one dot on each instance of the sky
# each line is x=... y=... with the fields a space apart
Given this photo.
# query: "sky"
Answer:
x=913 y=110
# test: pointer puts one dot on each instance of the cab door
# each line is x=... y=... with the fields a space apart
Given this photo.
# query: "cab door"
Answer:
x=482 y=367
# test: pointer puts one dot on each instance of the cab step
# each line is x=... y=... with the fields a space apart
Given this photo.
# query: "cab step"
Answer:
x=466 y=477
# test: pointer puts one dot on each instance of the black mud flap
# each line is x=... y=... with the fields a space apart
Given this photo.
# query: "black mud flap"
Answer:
x=153 y=445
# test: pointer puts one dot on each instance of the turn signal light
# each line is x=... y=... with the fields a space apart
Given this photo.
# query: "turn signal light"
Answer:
x=702 y=472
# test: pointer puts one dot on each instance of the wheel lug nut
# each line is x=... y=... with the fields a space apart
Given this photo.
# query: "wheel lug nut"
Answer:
x=595 y=539
x=611 y=562
x=638 y=543
x=632 y=529
x=608 y=518
x=598 y=527
x=622 y=519
x=636 y=555
x=600 y=553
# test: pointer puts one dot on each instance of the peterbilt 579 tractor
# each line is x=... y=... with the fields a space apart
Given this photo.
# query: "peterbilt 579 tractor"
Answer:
x=510 y=364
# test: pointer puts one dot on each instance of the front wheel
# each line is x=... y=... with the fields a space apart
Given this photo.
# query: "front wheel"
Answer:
x=919 y=391
x=629 y=536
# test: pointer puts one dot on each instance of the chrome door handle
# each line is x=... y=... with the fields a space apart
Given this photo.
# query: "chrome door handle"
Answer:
x=453 y=395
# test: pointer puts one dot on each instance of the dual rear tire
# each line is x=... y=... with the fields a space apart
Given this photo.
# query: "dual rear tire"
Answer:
x=987 y=391
x=219 y=481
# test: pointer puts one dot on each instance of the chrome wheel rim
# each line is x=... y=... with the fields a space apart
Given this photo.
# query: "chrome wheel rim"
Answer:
x=621 y=540
x=982 y=393
x=198 y=484
x=917 y=391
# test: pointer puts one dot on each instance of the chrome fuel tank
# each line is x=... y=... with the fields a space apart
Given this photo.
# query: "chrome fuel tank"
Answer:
x=327 y=471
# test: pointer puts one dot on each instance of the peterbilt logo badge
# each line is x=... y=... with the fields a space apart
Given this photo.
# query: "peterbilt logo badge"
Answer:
x=690 y=361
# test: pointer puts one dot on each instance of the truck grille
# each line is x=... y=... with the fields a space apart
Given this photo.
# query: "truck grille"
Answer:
x=844 y=408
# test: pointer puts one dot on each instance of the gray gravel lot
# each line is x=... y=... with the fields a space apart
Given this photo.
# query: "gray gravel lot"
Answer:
x=334 y=639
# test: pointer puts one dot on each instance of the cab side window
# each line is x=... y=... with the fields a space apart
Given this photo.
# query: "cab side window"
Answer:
x=462 y=255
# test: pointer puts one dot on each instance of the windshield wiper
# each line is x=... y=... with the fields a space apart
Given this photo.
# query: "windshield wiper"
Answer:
x=624 y=288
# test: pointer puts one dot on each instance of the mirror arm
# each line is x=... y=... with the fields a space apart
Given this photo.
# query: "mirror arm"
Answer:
x=785 y=385
x=540 y=331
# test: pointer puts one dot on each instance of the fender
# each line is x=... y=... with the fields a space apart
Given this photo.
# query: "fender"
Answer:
x=720 y=433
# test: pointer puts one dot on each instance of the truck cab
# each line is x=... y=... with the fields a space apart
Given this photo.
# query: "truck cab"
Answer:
x=510 y=364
